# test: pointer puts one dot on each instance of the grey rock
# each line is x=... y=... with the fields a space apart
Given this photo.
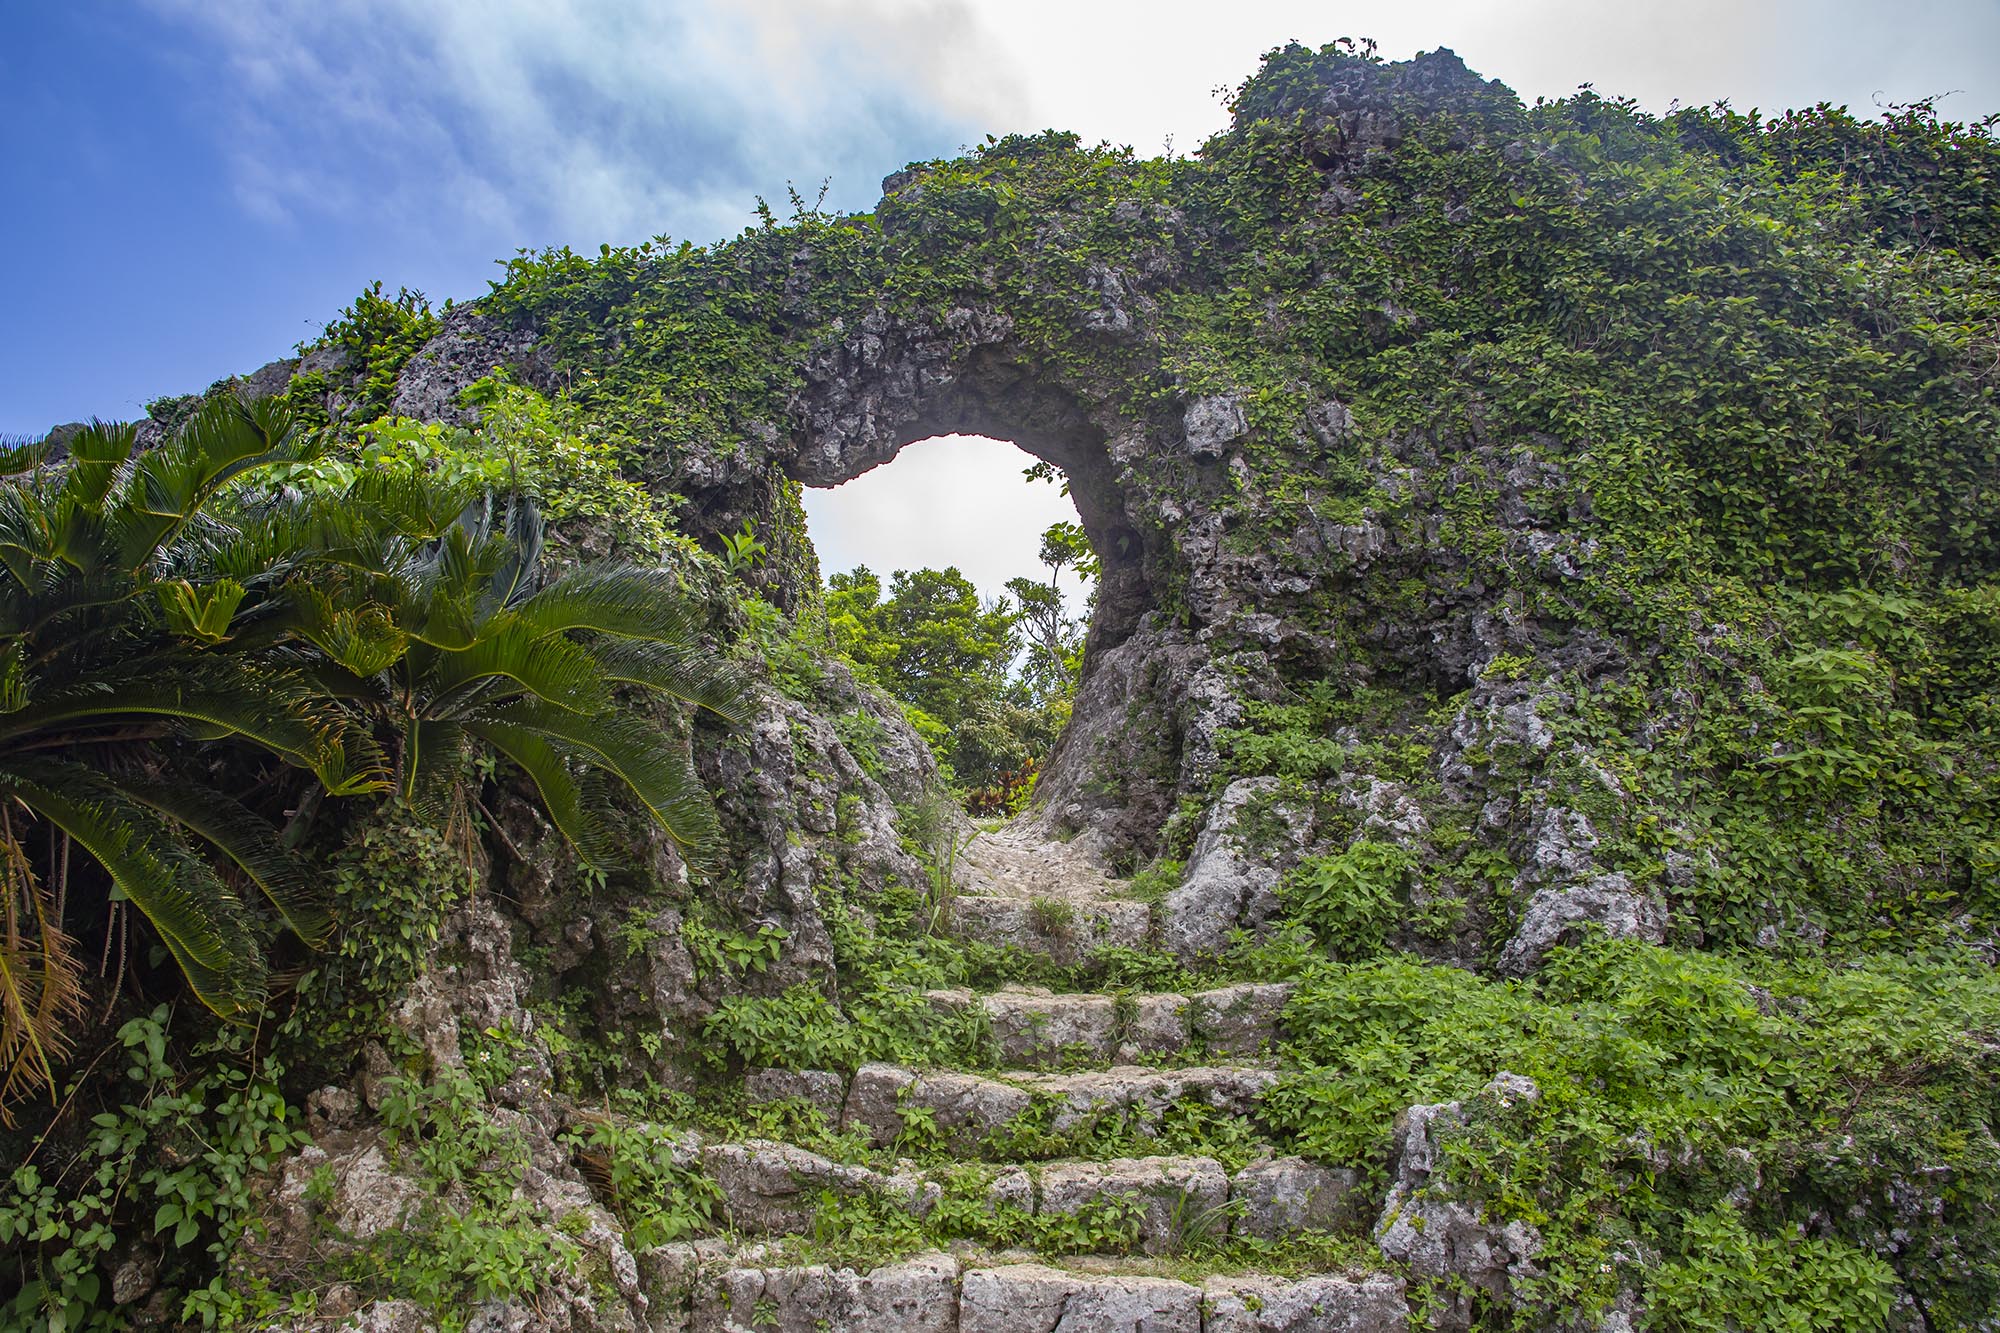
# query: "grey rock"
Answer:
x=1030 y=1298
x=967 y=1108
x=1422 y=1226
x=964 y=1107
x=468 y=347
x=1158 y=1026
x=1330 y=422
x=1558 y=915
x=821 y=1089
x=1213 y=423
x=351 y=1184
x=1145 y=1094
x=390 y=1317
x=136 y=1270
x=1065 y=930
x=1229 y=885
x=1179 y=1198
x=917 y=1296
x=1288 y=1194
x=1014 y=1187
x=1032 y=1029
x=1241 y=1020
x=774 y=1188
x=1321 y=1303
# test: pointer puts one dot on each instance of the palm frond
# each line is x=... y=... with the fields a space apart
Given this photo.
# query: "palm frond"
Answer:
x=434 y=754
x=219 y=694
x=683 y=671
x=199 y=920
x=551 y=768
x=41 y=980
x=641 y=757
x=250 y=843
x=521 y=543
x=631 y=601
x=553 y=669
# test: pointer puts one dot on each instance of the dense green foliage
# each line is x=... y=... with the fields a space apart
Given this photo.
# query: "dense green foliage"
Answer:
x=1671 y=1082
x=1694 y=414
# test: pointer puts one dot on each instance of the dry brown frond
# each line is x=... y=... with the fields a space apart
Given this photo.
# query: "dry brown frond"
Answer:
x=41 y=980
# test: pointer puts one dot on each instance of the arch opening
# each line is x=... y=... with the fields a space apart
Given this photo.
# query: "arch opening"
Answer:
x=960 y=578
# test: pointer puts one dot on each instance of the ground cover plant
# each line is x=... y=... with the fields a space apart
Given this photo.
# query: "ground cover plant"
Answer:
x=1550 y=550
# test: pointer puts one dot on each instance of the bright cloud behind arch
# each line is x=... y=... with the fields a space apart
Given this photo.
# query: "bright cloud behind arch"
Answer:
x=201 y=184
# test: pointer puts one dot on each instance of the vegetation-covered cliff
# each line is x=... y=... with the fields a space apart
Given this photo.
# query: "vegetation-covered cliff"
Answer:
x=1522 y=853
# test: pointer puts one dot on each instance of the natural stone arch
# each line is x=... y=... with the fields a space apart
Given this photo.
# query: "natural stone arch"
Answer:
x=845 y=426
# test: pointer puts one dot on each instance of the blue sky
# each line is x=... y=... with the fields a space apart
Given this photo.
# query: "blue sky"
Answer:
x=196 y=185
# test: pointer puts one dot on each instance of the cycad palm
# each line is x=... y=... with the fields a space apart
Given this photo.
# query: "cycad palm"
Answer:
x=134 y=613
x=447 y=642
x=116 y=636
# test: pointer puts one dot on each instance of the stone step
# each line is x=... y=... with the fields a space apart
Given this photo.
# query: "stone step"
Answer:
x=698 y=1288
x=1064 y=930
x=966 y=1112
x=771 y=1188
x=1034 y=1028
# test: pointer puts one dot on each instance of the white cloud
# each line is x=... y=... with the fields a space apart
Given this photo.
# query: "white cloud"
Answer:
x=525 y=122
x=576 y=121
x=956 y=500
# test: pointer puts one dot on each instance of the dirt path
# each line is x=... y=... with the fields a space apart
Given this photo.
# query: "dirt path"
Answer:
x=1017 y=862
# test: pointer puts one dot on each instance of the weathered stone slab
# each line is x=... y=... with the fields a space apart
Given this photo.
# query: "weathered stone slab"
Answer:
x=1238 y=1021
x=822 y=1089
x=1288 y=1194
x=774 y=1188
x=1157 y=1027
x=1029 y=1298
x=918 y=1296
x=1322 y=1303
x=1181 y=1198
x=1064 y=929
x=1035 y=1029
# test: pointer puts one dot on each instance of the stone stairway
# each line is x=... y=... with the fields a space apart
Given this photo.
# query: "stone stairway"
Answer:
x=770 y=1188
x=1119 y=1236
x=705 y=1288
x=1033 y=1027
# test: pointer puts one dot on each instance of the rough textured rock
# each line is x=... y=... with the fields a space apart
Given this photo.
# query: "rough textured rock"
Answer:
x=1065 y=930
x=1231 y=880
x=821 y=1089
x=1238 y=1021
x=1287 y=1194
x=1033 y=1029
x=1028 y=1298
x=913 y=1297
x=1558 y=916
x=1322 y=1303
x=1439 y=1237
x=468 y=347
x=1213 y=423
x=966 y=1108
x=1158 y=1027
x=1180 y=1198
x=774 y=1188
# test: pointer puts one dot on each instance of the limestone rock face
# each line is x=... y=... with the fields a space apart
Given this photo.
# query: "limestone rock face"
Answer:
x=1231 y=881
x=1440 y=1237
x=1321 y=1304
x=468 y=347
x=1554 y=916
x=914 y=1297
x=774 y=1188
x=1213 y=423
x=1287 y=1194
